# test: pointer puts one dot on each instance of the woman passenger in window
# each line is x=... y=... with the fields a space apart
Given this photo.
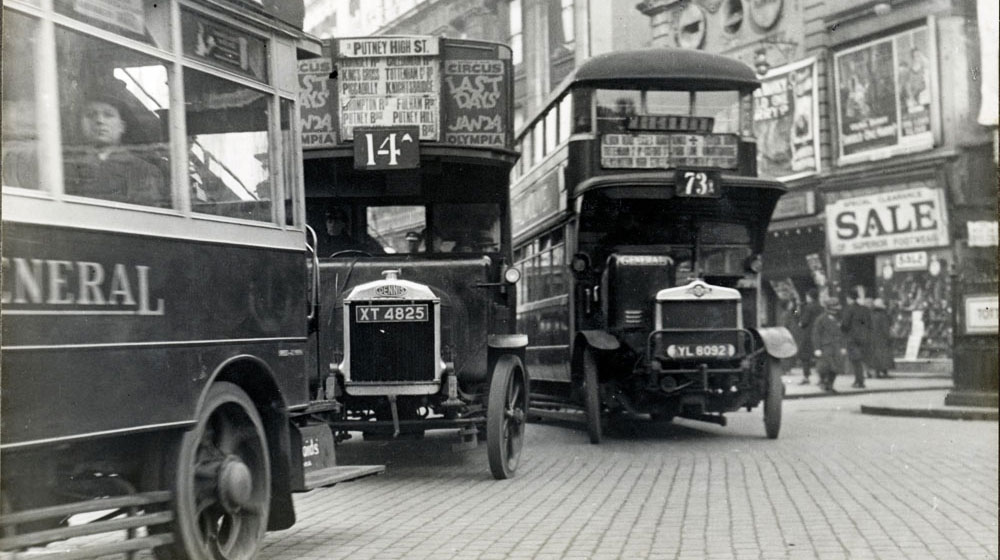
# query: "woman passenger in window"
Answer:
x=102 y=167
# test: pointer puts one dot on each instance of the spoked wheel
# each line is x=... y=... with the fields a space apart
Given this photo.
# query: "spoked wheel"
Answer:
x=772 y=401
x=591 y=396
x=222 y=481
x=506 y=413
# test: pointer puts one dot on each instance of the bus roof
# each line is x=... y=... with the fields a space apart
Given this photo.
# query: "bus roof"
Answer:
x=665 y=66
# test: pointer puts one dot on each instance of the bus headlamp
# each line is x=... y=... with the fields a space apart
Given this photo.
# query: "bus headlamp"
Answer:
x=580 y=262
x=755 y=264
x=512 y=275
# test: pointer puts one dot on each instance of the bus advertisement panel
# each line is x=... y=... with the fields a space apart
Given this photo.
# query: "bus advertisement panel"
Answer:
x=453 y=92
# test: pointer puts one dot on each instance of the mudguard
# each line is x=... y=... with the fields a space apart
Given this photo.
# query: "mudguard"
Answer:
x=600 y=340
x=778 y=341
x=507 y=341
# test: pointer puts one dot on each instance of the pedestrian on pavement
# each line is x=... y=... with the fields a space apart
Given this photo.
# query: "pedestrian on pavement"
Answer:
x=881 y=346
x=856 y=324
x=790 y=320
x=811 y=309
x=830 y=344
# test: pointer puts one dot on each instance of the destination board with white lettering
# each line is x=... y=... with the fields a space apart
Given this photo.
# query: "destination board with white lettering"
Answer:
x=379 y=85
x=667 y=151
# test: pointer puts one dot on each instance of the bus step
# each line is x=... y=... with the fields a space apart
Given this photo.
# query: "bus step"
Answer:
x=564 y=414
x=128 y=514
x=332 y=475
x=549 y=404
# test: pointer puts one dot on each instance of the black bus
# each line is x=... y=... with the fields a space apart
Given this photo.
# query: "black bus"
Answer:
x=639 y=223
x=155 y=305
x=407 y=171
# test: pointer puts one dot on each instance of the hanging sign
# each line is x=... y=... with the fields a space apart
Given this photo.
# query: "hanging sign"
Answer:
x=981 y=314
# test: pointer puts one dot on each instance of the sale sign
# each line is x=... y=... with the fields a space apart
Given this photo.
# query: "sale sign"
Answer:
x=900 y=220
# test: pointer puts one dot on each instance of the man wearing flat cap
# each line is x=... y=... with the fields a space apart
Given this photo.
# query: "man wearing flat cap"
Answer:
x=104 y=168
x=830 y=346
x=337 y=236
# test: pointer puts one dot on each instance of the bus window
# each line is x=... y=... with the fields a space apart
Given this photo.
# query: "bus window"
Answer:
x=398 y=229
x=20 y=128
x=723 y=106
x=228 y=144
x=466 y=228
x=613 y=105
x=115 y=144
x=145 y=20
x=290 y=165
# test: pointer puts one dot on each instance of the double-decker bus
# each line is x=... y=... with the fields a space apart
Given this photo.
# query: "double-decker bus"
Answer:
x=155 y=294
x=639 y=224
x=407 y=173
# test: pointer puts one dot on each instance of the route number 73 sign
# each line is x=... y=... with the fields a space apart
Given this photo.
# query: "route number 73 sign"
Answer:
x=396 y=147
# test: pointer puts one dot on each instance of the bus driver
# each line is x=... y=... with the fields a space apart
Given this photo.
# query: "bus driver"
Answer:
x=103 y=168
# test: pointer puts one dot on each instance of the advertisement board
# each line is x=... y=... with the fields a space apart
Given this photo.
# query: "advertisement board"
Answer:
x=474 y=98
x=785 y=113
x=454 y=91
x=316 y=103
x=886 y=93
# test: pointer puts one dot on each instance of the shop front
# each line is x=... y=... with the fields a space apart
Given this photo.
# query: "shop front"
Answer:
x=893 y=242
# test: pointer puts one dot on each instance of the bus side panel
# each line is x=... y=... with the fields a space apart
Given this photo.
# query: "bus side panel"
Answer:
x=105 y=331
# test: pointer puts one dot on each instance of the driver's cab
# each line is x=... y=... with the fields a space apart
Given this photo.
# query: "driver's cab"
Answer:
x=695 y=246
x=633 y=243
x=364 y=227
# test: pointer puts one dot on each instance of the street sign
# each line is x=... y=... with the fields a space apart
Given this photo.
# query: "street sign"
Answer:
x=394 y=147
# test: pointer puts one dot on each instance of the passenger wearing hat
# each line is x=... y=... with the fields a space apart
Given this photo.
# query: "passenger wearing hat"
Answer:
x=413 y=242
x=829 y=343
x=102 y=167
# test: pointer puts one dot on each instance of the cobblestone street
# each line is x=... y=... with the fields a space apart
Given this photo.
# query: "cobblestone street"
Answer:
x=836 y=484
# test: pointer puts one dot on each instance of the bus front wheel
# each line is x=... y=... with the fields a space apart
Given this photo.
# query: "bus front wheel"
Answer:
x=772 y=400
x=506 y=413
x=221 y=481
x=591 y=396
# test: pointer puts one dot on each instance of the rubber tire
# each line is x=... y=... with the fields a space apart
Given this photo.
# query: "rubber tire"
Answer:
x=236 y=430
x=591 y=396
x=772 y=400
x=506 y=415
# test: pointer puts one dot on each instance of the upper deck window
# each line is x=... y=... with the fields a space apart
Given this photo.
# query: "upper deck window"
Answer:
x=20 y=106
x=115 y=143
x=142 y=20
x=614 y=106
x=107 y=119
x=224 y=46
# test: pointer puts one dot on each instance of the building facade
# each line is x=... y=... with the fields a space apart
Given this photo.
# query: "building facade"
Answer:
x=868 y=113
